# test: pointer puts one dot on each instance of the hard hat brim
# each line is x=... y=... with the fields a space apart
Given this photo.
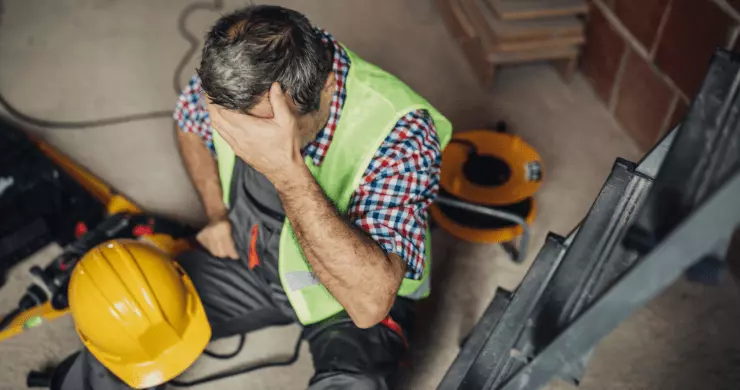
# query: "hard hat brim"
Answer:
x=172 y=362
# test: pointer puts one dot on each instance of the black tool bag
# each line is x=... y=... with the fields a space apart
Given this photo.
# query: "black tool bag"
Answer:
x=39 y=203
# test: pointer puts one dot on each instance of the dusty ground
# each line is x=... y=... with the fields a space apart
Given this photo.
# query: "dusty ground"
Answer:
x=88 y=59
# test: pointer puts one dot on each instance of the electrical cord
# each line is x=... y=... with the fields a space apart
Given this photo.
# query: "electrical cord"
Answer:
x=472 y=148
x=242 y=371
x=34 y=296
x=8 y=319
x=215 y=5
x=227 y=356
x=307 y=334
x=499 y=127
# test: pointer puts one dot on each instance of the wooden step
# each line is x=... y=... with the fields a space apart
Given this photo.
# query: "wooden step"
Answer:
x=527 y=29
x=467 y=37
x=556 y=53
x=484 y=52
x=456 y=20
x=536 y=45
x=497 y=35
x=535 y=9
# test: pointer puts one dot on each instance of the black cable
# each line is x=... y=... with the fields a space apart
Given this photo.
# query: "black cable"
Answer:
x=216 y=5
x=473 y=148
x=305 y=334
x=9 y=318
x=227 y=356
x=228 y=374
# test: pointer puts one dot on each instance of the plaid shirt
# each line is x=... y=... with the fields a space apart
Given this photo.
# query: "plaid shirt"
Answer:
x=400 y=183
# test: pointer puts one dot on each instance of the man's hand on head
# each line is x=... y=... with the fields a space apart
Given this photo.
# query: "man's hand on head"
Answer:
x=271 y=146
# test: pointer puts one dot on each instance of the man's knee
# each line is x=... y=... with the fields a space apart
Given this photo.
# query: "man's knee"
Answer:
x=235 y=299
x=195 y=260
x=345 y=380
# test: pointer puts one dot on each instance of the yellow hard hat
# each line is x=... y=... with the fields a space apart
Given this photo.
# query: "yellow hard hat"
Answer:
x=137 y=312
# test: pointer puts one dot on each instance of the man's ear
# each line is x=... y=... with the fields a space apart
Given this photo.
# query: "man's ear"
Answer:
x=330 y=82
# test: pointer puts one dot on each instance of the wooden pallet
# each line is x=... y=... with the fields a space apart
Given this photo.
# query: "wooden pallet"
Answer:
x=488 y=42
x=537 y=9
x=523 y=35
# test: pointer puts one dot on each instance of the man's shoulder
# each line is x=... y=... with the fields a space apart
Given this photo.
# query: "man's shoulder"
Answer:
x=413 y=134
x=419 y=125
x=194 y=85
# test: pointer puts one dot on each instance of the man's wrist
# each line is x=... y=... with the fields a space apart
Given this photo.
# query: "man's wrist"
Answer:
x=216 y=212
x=217 y=217
x=292 y=178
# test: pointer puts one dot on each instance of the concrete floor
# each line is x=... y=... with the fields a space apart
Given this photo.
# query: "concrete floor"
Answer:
x=88 y=59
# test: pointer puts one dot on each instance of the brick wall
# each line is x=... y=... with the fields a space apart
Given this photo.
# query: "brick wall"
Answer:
x=646 y=59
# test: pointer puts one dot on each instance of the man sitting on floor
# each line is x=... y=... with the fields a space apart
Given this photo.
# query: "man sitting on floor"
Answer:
x=316 y=170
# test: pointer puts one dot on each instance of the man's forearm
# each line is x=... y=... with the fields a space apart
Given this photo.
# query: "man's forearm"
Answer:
x=203 y=172
x=355 y=270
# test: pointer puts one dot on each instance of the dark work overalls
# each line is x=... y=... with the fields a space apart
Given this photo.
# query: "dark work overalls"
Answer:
x=243 y=295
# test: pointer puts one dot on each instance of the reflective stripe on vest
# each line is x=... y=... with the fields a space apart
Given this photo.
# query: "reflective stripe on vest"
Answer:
x=298 y=280
x=375 y=101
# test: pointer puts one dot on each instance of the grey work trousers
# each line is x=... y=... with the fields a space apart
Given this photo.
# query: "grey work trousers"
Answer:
x=238 y=300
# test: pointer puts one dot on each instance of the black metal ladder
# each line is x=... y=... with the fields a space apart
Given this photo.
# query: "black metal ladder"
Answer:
x=649 y=224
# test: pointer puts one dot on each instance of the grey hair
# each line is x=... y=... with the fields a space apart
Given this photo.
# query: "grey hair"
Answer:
x=247 y=50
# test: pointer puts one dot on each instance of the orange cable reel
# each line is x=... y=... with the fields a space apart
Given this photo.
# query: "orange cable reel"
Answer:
x=490 y=169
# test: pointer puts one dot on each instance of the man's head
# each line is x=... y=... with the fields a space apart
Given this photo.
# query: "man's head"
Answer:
x=246 y=51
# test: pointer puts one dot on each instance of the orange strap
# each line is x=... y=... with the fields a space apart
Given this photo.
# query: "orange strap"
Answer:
x=254 y=260
x=389 y=323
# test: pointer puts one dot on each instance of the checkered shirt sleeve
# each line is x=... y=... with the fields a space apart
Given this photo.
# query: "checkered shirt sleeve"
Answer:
x=191 y=114
x=392 y=202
